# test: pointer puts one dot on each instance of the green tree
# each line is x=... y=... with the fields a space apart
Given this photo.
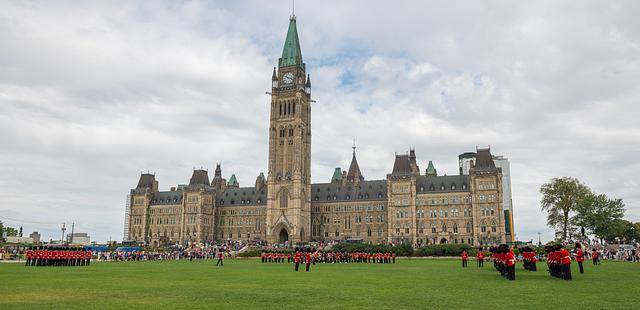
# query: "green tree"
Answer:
x=10 y=231
x=599 y=214
x=1 y=231
x=560 y=199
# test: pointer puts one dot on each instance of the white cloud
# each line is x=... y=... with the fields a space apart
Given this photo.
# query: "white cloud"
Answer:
x=91 y=94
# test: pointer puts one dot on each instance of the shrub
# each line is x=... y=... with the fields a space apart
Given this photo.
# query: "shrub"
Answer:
x=445 y=250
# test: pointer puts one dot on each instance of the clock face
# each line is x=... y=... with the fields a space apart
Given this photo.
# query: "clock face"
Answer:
x=287 y=78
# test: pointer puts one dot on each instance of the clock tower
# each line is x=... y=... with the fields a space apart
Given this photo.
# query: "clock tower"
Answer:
x=289 y=175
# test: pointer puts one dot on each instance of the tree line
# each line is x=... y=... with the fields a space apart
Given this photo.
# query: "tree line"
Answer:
x=576 y=211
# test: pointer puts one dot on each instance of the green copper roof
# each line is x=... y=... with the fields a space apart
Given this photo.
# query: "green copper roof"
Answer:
x=291 y=53
x=337 y=175
x=233 y=180
x=431 y=170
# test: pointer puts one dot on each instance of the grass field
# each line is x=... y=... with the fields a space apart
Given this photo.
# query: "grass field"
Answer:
x=244 y=284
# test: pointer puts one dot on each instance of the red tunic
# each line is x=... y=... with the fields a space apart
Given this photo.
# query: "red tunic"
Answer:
x=579 y=256
x=564 y=257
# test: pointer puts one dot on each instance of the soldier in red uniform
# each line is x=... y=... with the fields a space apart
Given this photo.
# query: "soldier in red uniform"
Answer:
x=565 y=260
x=465 y=257
x=296 y=259
x=595 y=255
x=480 y=257
x=307 y=259
x=220 y=258
x=579 y=256
x=511 y=265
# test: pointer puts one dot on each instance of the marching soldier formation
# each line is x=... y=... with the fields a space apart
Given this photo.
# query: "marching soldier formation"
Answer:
x=504 y=261
x=559 y=261
x=62 y=256
x=529 y=258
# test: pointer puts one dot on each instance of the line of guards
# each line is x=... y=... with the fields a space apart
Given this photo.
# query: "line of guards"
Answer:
x=558 y=260
x=60 y=256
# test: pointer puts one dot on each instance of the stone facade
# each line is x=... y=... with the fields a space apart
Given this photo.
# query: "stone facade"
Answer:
x=407 y=206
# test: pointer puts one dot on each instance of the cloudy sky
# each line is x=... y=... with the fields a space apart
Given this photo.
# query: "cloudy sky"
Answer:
x=91 y=94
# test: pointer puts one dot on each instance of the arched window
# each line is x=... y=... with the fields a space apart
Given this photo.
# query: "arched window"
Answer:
x=433 y=228
x=493 y=226
x=468 y=228
x=444 y=227
x=483 y=227
x=455 y=228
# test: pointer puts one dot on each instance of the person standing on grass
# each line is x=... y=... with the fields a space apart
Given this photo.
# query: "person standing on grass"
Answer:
x=594 y=256
x=296 y=259
x=565 y=260
x=465 y=257
x=480 y=258
x=308 y=259
x=511 y=265
x=220 y=258
x=579 y=256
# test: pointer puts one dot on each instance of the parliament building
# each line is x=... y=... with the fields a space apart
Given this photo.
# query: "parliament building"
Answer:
x=407 y=206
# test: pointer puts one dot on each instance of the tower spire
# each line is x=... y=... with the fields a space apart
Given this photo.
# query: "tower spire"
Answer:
x=354 y=146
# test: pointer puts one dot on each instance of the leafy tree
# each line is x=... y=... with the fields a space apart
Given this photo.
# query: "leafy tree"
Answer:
x=10 y=231
x=599 y=214
x=1 y=231
x=560 y=199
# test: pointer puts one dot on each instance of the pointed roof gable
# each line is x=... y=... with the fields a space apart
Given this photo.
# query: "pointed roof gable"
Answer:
x=233 y=181
x=431 y=170
x=291 y=53
x=354 y=169
x=337 y=175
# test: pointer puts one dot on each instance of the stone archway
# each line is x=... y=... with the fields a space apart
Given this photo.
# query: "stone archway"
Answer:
x=443 y=241
x=283 y=236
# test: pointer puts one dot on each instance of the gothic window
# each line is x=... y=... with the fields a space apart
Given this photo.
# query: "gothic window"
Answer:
x=432 y=188
x=294 y=107
x=369 y=232
x=290 y=132
x=492 y=211
x=433 y=228
x=379 y=195
x=468 y=228
x=444 y=227
x=284 y=199
x=441 y=187
x=455 y=228
x=493 y=226
x=483 y=227
x=280 y=105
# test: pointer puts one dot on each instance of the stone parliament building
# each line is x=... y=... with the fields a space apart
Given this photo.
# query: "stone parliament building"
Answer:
x=407 y=206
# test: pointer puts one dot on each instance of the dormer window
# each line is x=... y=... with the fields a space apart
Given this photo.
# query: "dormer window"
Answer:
x=464 y=186
x=348 y=197
x=421 y=188
x=335 y=197
x=441 y=187
x=453 y=187
x=379 y=195
x=221 y=201
x=432 y=188
x=259 y=200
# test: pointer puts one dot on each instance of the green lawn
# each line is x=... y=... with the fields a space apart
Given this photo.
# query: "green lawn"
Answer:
x=243 y=284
